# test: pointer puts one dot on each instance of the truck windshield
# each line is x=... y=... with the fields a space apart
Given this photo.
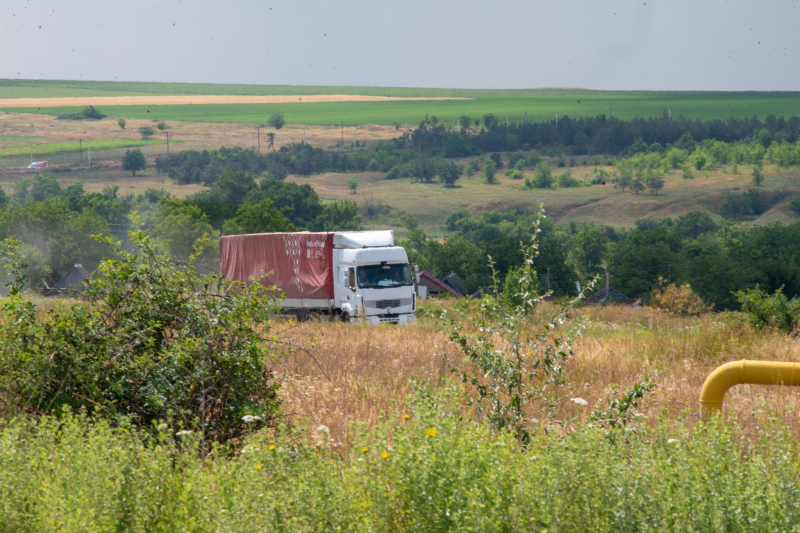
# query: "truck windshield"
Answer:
x=382 y=276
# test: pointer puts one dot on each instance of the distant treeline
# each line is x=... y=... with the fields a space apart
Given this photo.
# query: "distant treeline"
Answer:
x=434 y=138
x=56 y=225
x=715 y=259
x=591 y=135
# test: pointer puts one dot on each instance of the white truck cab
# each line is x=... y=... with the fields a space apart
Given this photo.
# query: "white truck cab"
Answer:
x=375 y=284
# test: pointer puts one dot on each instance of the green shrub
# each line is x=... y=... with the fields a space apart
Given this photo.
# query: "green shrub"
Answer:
x=276 y=120
x=566 y=181
x=515 y=174
x=765 y=310
x=146 y=132
x=152 y=340
x=393 y=173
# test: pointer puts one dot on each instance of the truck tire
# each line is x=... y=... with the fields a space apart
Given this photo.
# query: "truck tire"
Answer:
x=345 y=316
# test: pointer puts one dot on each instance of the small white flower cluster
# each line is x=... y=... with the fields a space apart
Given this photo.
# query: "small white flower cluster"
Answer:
x=249 y=419
x=579 y=401
x=183 y=432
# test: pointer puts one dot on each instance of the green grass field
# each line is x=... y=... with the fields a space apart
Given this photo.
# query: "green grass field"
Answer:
x=539 y=104
x=23 y=145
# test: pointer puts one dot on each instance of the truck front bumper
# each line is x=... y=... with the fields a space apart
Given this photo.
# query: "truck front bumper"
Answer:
x=402 y=320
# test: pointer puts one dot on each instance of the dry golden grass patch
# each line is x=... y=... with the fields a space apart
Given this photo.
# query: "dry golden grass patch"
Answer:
x=361 y=372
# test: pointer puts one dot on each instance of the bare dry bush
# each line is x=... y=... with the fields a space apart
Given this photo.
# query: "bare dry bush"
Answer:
x=677 y=300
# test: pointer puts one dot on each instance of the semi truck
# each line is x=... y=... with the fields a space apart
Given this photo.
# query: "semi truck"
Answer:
x=356 y=276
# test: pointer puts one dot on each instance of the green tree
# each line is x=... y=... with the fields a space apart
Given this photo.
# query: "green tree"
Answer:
x=178 y=226
x=276 y=120
x=654 y=181
x=624 y=179
x=466 y=123
x=490 y=121
x=794 y=206
x=162 y=125
x=261 y=217
x=686 y=172
x=758 y=176
x=352 y=184
x=338 y=216
x=489 y=171
x=423 y=169
x=449 y=172
x=542 y=177
x=121 y=122
x=146 y=132
x=133 y=160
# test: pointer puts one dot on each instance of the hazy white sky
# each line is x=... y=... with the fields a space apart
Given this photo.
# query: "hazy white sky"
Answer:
x=596 y=44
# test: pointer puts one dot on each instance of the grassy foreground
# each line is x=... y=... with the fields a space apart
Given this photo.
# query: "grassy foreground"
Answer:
x=430 y=472
x=364 y=449
x=536 y=104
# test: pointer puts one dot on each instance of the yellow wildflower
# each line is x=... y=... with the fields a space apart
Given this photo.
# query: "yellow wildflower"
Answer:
x=258 y=466
x=431 y=432
x=364 y=449
x=384 y=455
x=271 y=446
x=406 y=417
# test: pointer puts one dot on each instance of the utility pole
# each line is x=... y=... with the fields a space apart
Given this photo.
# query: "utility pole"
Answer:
x=526 y=117
x=343 y=135
x=31 y=155
x=198 y=143
x=167 y=143
x=548 y=280
x=90 y=155
x=669 y=112
x=729 y=111
x=304 y=137
x=145 y=150
x=506 y=120
x=458 y=122
x=556 y=120
x=258 y=129
x=354 y=137
x=80 y=140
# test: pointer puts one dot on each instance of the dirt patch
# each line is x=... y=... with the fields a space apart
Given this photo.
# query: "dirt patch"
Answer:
x=199 y=99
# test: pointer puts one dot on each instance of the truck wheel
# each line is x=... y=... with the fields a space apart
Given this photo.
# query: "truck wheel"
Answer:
x=345 y=316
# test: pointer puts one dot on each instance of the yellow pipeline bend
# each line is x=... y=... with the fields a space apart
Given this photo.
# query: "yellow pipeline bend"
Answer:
x=744 y=371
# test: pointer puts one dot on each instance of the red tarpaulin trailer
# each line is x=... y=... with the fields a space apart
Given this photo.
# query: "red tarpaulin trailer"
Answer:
x=300 y=264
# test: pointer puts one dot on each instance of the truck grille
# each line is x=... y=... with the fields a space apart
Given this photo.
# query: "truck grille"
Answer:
x=388 y=304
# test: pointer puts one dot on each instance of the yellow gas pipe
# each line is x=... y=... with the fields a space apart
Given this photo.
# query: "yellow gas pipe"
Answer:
x=741 y=372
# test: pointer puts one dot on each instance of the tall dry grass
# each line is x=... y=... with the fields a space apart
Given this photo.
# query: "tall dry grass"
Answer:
x=359 y=372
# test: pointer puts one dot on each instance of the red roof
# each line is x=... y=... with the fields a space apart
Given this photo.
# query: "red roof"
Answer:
x=439 y=283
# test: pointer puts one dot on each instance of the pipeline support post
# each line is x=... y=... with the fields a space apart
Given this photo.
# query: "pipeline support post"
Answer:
x=744 y=372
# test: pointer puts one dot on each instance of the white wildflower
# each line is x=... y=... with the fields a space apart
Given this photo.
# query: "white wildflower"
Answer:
x=579 y=401
x=323 y=429
x=249 y=419
x=673 y=441
x=183 y=432
x=249 y=449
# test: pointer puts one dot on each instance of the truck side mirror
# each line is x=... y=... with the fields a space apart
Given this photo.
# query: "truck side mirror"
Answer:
x=416 y=269
x=351 y=279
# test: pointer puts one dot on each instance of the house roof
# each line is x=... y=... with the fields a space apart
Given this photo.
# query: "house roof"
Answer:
x=454 y=281
x=439 y=283
x=614 y=294
x=71 y=280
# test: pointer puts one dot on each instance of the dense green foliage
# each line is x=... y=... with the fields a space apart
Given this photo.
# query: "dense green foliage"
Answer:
x=88 y=113
x=603 y=135
x=716 y=260
x=770 y=310
x=152 y=341
x=55 y=224
x=71 y=475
